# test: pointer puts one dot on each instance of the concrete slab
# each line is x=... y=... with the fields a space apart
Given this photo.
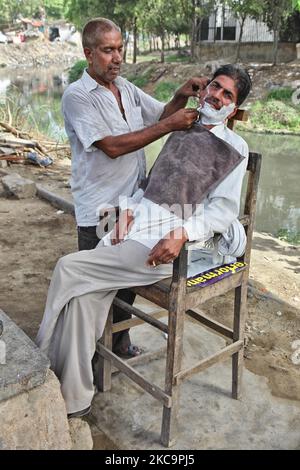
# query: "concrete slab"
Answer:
x=209 y=418
x=24 y=366
x=19 y=187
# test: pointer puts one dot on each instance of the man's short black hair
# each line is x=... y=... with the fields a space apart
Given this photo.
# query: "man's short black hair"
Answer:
x=240 y=76
x=93 y=29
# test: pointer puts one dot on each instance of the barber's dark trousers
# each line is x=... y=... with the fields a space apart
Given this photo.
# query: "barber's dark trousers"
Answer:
x=88 y=240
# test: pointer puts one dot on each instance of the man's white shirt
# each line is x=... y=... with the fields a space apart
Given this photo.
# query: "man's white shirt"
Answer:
x=91 y=113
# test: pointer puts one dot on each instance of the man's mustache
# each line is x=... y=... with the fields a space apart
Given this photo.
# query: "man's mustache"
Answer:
x=213 y=101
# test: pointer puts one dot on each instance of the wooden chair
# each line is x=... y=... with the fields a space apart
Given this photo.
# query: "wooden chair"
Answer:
x=179 y=300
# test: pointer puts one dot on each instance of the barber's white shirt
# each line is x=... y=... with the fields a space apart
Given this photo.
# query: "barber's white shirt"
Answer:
x=91 y=112
x=219 y=209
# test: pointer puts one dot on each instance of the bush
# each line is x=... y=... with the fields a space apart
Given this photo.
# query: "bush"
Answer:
x=76 y=70
x=138 y=81
x=289 y=236
x=165 y=90
x=280 y=94
x=275 y=115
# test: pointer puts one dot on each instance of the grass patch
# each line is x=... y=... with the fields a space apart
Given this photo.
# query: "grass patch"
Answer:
x=288 y=236
x=177 y=58
x=138 y=81
x=276 y=112
x=280 y=94
x=164 y=91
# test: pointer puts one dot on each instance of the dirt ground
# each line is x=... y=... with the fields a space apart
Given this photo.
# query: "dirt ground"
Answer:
x=34 y=235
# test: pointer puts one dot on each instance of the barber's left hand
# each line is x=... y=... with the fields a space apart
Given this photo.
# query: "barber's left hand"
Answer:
x=192 y=87
x=168 y=248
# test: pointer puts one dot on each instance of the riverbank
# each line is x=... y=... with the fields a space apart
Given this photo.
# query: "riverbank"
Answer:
x=39 y=53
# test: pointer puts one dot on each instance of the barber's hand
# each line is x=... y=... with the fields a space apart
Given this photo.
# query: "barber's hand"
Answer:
x=168 y=248
x=122 y=227
x=192 y=87
x=182 y=119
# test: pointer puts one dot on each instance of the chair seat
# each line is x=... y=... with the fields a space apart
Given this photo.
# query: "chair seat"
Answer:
x=159 y=292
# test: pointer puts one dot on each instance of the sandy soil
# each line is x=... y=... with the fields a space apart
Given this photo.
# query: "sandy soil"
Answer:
x=34 y=235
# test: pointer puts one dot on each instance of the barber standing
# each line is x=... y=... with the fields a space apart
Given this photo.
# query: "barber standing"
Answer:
x=108 y=121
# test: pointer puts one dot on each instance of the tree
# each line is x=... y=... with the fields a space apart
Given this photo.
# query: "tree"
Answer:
x=122 y=12
x=54 y=8
x=242 y=9
x=196 y=11
x=276 y=13
x=80 y=11
x=162 y=18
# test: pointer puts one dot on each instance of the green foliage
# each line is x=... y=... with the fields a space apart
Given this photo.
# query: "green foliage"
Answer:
x=76 y=70
x=276 y=12
x=288 y=236
x=244 y=8
x=143 y=79
x=11 y=9
x=280 y=94
x=177 y=58
x=54 y=8
x=139 y=81
x=276 y=113
x=164 y=91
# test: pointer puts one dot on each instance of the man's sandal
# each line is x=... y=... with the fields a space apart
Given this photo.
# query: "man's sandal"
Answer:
x=131 y=351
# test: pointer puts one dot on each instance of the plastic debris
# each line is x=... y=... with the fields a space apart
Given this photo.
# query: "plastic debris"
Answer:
x=34 y=157
x=295 y=357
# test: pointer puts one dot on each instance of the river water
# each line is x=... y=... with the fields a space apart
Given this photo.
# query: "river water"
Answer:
x=278 y=207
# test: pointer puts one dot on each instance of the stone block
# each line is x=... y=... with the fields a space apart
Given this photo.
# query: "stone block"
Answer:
x=80 y=434
x=35 y=420
x=25 y=366
x=19 y=187
x=32 y=410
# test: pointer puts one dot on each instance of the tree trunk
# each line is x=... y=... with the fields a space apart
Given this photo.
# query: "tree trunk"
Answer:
x=169 y=42
x=150 y=43
x=162 y=54
x=276 y=29
x=240 y=39
x=134 y=41
x=193 y=31
x=275 y=47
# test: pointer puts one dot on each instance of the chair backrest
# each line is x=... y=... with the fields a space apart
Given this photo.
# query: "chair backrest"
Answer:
x=241 y=115
x=253 y=170
x=248 y=217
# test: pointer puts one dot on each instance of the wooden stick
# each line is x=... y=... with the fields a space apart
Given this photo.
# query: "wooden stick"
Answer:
x=13 y=130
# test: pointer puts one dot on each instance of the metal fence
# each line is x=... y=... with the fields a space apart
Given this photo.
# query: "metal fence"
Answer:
x=221 y=25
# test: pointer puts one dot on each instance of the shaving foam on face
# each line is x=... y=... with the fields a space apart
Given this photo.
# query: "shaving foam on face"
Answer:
x=213 y=117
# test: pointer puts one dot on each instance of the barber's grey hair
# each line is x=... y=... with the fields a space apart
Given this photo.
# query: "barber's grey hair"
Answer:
x=94 y=28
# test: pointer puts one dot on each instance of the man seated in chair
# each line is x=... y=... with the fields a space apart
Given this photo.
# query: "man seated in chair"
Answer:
x=141 y=248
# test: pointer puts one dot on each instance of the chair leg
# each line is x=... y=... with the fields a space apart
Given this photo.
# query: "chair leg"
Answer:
x=240 y=312
x=173 y=366
x=103 y=367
